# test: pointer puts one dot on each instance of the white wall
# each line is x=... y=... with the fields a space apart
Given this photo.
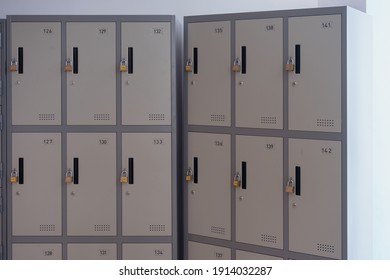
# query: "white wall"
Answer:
x=357 y=4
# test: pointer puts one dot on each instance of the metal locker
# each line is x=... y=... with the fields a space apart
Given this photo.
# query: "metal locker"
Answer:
x=91 y=76
x=314 y=86
x=259 y=77
x=209 y=191
x=98 y=251
x=147 y=194
x=35 y=70
x=200 y=251
x=26 y=251
x=146 y=73
x=143 y=251
x=92 y=182
x=244 y=255
x=36 y=190
x=315 y=205
x=259 y=194
x=2 y=190
x=209 y=73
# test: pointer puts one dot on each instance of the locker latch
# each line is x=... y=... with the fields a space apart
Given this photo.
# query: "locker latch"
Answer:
x=13 y=66
x=69 y=176
x=188 y=67
x=189 y=175
x=68 y=65
x=123 y=66
x=236 y=65
x=237 y=180
x=13 y=178
x=290 y=66
x=290 y=186
x=124 y=176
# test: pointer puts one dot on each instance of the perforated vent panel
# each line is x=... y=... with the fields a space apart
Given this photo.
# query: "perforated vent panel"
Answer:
x=217 y=118
x=268 y=120
x=268 y=238
x=101 y=228
x=157 y=228
x=47 y=228
x=325 y=248
x=101 y=117
x=156 y=117
x=325 y=123
x=46 y=117
x=217 y=230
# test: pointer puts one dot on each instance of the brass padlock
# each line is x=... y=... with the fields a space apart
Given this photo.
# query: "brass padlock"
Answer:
x=188 y=176
x=236 y=65
x=290 y=186
x=123 y=65
x=68 y=65
x=237 y=180
x=188 y=67
x=14 y=176
x=290 y=66
x=69 y=176
x=124 y=177
x=14 y=65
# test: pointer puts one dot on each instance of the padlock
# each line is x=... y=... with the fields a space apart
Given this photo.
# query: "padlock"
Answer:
x=236 y=65
x=290 y=66
x=124 y=177
x=188 y=176
x=237 y=180
x=68 y=65
x=69 y=176
x=290 y=186
x=188 y=67
x=14 y=176
x=123 y=65
x=14 y=65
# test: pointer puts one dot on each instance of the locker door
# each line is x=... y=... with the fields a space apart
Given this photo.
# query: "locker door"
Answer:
x=36 y=196
x=36 y=81
x=147 y=251
x=91 y=85
x=92 y=194
x=200 y=251
x=209 y=191
x=48 y=251
x=92 y=251
x=315 y=206
x=314 y=88
x=209 y=88
x=146 y=197
x=244 y=255
x=259 y=83
x=259 y=199
x=146 y=85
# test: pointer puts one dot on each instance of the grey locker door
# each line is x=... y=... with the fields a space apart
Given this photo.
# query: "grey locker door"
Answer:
x=42 y=251
x=36 y=197
x=314 y=88
x=200 y=251
x=209 y=192
x=91 y=85
x=92 y=194
x=315 y=205
x=146 y=85
x=209 y=88
x=259 y=199
x=244 y=255
x=259 y=83
x=147 y=196
x=36 y=83
x=154 y=251
x=98 y=251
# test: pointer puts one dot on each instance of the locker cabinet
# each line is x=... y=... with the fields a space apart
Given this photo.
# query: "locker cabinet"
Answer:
x=91 y=84
x=2 y=137
x=147 y=251
x=209 y=191
x=28 y=251
x=259 y=198
x=244 y=255
x=36 y=195
x=146 y=85
x=209 y=76
x=200 y=251
x=146 y=197
x=91 y=195
x=259 y=79
x=35 y=69
x=101 y=251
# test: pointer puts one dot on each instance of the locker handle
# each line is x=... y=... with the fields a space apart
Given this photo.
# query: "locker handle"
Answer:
x=297 y=59
x=195 y=60
x=243 y=58
x=76 y=171
x=243 y=172
x=75 y=60
x=21 y=171
x=131 y=171
x=131 y=60
x=297 y=180
x=195 y=170
x=20 y=59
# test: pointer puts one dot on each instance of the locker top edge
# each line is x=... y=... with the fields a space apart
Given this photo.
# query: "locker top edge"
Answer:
x=91 y=18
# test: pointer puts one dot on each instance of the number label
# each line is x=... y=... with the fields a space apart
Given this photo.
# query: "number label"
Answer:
x=103 y=252
x=158 y=141
x=47 y=31
x=103 y=141
x=48 y=253
x=327 y=25
x=327 y=150
x=48 y=141
x=270 y=27
x=158 y=252
x=102 y=31
x=218 y=143
x=158 y=31
x=218 y=30
x=219 y=255
x=270 y=146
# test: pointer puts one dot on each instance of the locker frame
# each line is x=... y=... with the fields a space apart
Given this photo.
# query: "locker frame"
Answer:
x=349 y=66
x=173 y=129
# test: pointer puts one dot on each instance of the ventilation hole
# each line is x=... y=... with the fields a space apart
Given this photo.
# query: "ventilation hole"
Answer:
x=217 y=118
x=217 y=230
x=268 y=120
x=157 y=228
x=325 y=123
x=101 y=117
x=102 y=228
x=325 y=248
x=268 y=238
x=47 y=228
x=156 y=117
x=46 y=117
